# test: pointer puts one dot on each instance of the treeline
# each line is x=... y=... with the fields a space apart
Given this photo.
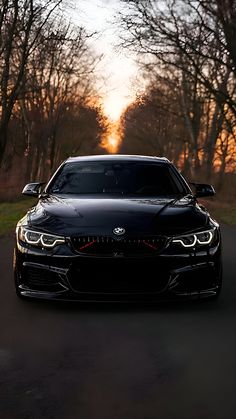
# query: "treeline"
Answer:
x=47 y=79
x=187 y=53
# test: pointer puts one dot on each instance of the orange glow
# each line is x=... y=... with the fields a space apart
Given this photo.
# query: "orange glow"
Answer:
x=226 y=147
x=111 y=144
x=114 y=106
x=111 y=140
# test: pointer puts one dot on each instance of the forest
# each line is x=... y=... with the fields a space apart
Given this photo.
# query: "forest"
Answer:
x=187 y=54
x=47 y=92
x=49 y=100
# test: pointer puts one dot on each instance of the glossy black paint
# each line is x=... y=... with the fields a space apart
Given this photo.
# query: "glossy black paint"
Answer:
x=74 y=215
x=203 y=190
x=33 y=189
x=169 y=272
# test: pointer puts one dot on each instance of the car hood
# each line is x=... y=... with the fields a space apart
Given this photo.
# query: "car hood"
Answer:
x=74 y=215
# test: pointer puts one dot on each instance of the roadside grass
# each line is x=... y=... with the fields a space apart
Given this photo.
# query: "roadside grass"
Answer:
x=11 y=212
x=224 y=214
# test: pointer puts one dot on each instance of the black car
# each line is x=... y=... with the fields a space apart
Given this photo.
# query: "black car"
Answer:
x=117 y=228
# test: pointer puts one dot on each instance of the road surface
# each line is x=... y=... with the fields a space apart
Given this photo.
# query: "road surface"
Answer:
x=175 y=361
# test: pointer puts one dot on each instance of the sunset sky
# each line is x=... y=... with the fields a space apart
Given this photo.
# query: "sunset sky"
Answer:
x=117 y=69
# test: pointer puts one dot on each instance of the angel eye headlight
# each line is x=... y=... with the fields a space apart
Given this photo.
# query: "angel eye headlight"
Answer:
x=38 y=239
x=190 y=240
x=51 y=241
x=28 y=236
x=186 y=241
x=205 y=237
x=32 y=237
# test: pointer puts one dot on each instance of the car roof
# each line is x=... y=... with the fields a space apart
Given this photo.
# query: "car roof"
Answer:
x=119 y=157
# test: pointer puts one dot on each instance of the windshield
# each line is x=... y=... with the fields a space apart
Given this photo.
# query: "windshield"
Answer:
x=123 y=178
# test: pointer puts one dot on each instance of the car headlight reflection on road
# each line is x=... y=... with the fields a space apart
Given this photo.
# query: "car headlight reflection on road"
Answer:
x=35 y=238
x=190 y=240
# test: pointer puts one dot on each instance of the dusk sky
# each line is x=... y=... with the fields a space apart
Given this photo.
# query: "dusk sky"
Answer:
x=117 y=68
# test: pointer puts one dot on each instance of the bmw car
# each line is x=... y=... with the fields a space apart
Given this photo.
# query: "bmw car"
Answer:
x=118 y=228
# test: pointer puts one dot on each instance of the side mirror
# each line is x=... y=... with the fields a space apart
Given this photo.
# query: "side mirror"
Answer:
x=33 y=189
x=203 y=190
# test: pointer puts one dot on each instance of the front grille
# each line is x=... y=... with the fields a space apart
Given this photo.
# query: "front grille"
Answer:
x=109 y=246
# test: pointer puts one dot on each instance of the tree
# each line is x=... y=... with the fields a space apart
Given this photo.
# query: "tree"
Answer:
x=224 y=11
x=53 y=113
x=153 y=125
x=58 y=75
x=189 y=37
x=21 y=23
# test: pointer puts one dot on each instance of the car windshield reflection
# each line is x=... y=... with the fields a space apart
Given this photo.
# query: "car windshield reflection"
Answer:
x=117 y=179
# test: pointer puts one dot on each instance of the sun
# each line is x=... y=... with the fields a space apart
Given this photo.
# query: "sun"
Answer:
x=112 y=139
x=112 y=143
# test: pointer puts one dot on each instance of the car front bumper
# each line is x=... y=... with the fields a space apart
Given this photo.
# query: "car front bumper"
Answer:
x=73 y=277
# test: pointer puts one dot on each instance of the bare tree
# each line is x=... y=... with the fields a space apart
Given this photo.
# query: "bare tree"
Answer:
x=153 y=124
x=50 y=96
x=189 y=36
x=224 y=11
x=21 y=23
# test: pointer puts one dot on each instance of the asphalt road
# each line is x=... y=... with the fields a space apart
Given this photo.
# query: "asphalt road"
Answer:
x=67 y=361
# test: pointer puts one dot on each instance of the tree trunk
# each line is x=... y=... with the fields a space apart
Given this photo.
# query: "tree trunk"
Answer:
x=3 y=140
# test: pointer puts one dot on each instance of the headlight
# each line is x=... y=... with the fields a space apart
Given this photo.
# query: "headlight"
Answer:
x=39 y=239
x=190 y=240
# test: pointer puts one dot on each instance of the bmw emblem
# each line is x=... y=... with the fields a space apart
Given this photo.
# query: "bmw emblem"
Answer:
x=119 y=231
